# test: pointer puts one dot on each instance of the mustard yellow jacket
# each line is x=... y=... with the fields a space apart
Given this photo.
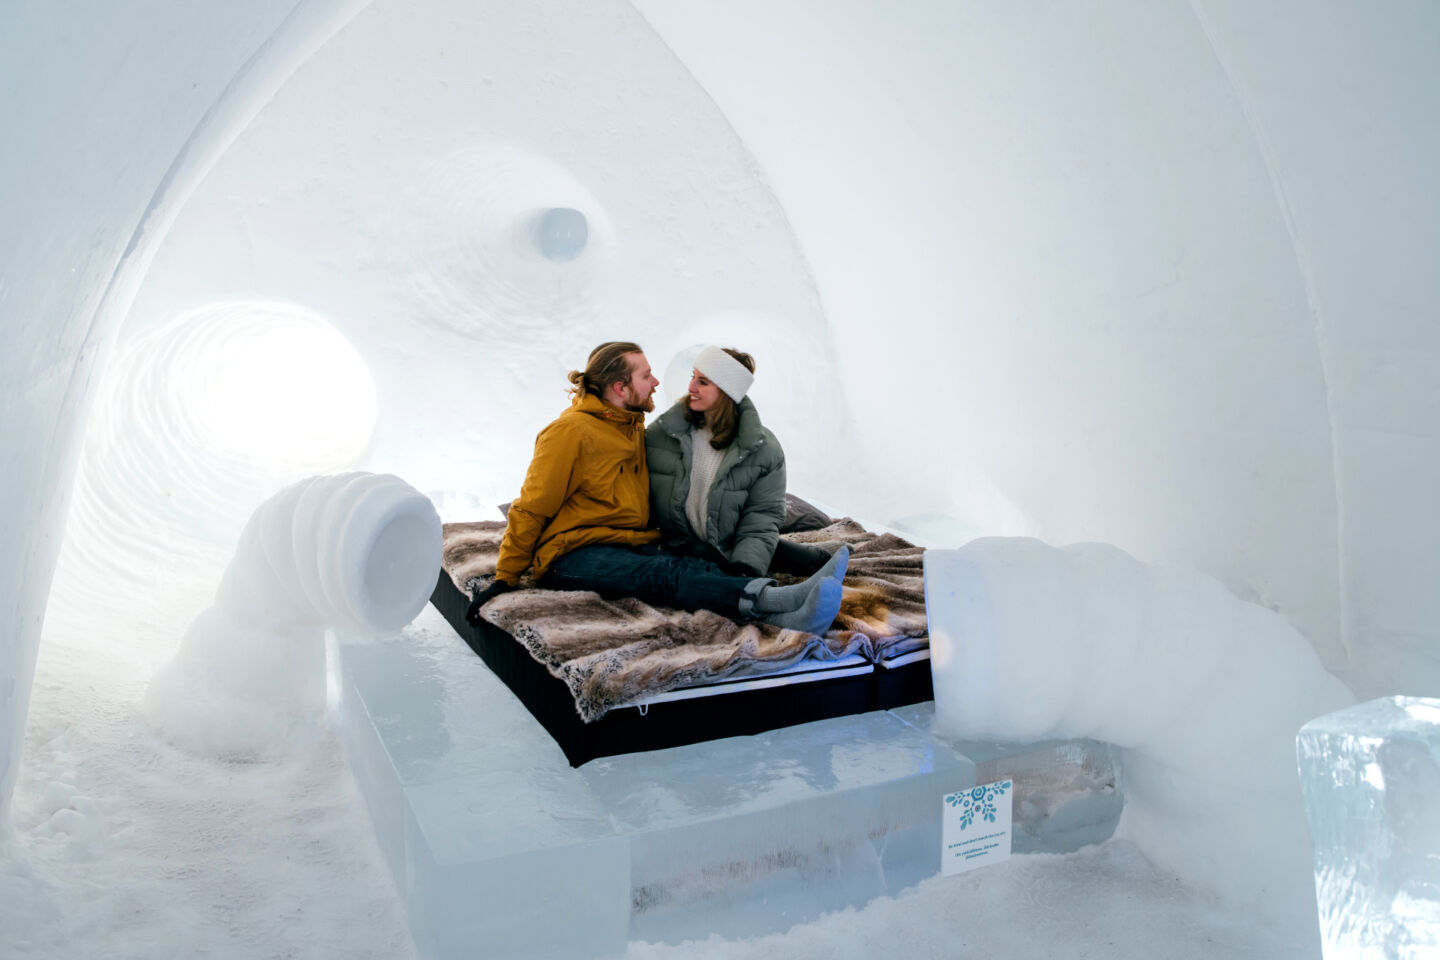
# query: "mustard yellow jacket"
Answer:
x=587 y=484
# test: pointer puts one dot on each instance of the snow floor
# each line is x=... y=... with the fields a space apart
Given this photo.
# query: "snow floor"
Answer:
x=124 y=846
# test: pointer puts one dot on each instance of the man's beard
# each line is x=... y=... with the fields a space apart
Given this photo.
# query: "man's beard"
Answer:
x=634 y=404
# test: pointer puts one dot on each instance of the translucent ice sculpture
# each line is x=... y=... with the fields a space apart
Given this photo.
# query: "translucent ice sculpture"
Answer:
x=562 y=233
x=357 y=550
x=1371 y=779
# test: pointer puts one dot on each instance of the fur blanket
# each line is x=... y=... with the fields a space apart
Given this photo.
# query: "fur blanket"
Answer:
x=615 y=652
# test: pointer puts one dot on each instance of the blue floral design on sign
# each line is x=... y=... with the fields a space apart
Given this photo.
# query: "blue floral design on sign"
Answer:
x=978 y=801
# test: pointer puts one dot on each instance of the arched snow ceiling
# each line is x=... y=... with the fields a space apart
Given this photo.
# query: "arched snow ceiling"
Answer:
x=1158 y=274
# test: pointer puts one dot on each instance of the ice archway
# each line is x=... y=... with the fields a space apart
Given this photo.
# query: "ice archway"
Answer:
x=1155 y=274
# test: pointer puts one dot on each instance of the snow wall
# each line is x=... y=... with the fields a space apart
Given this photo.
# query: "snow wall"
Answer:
x=1154 y=274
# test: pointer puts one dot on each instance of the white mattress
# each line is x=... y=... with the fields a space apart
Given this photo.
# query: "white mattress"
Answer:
x=905 y=659
x=806 y=671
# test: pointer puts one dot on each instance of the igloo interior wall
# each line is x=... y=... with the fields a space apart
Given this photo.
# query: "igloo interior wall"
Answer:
x=1150 y=274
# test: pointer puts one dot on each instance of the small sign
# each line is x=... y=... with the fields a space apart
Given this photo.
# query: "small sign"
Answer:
x=975 y=827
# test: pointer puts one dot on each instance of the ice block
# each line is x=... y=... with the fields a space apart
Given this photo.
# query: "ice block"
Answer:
x=1370 y=775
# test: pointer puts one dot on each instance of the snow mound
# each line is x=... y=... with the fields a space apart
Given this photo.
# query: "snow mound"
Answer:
x=1202 y=692
x=357 y=551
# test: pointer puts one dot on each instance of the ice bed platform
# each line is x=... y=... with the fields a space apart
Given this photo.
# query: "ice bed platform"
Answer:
x=499 y=847
x=749 y=704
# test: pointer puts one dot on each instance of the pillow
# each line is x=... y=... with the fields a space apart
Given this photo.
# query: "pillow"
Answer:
x=800 y=515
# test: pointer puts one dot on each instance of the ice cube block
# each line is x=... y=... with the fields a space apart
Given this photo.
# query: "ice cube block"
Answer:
x=1370 y=775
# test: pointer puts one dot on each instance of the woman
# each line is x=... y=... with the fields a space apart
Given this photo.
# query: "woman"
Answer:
x=717 y=475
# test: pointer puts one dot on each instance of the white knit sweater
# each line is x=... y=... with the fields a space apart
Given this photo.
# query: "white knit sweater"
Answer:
x=704 y=462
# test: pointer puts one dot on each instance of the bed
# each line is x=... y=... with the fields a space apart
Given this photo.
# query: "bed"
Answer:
x=607 y=677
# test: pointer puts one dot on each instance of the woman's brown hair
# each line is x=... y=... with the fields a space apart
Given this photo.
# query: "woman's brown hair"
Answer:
x=723 y=418
x=609 y=363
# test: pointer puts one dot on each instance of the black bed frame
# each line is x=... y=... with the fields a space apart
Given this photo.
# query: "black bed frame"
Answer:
x=677 y=722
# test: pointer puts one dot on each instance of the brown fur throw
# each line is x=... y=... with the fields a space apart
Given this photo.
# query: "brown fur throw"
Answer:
x=615 y=652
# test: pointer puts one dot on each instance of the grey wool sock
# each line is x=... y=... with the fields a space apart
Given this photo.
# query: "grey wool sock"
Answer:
x=810 y=606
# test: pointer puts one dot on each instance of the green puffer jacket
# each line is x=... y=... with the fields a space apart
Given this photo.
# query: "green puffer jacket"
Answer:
x=747 y=499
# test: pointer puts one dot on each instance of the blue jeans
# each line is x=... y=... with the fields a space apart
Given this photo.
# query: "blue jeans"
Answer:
x=650 y=574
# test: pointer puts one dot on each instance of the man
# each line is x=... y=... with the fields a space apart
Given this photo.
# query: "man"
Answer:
x=582 y=519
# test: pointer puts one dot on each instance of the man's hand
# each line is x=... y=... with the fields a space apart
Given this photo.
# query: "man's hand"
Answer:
x=472 y=615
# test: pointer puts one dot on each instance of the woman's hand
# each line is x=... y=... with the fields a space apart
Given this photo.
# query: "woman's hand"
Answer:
x=740 y=569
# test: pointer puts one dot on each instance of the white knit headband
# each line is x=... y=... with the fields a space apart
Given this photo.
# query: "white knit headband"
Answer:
x=725 y=372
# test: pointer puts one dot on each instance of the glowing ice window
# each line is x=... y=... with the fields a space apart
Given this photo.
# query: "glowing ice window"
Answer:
x=274 y=385
x=197 y=421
